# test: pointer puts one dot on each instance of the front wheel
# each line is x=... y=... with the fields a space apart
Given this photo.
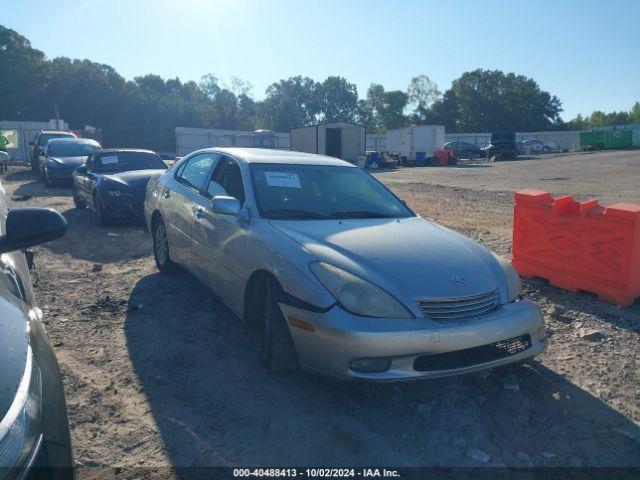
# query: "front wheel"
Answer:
x=278 y=351
x=103 y=217
x=45 y=178
x=161 y=253
x=77 y=201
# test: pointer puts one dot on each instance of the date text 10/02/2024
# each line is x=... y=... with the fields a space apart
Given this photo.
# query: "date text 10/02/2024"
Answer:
x=316 y=472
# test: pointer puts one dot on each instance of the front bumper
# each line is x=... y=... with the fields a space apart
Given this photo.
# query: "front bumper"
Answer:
x=60 y=174
x=124 y=207
x=339 y=337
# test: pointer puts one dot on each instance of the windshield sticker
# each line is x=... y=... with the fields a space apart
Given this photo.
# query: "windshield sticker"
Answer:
x=281 y=179
x=109 y=160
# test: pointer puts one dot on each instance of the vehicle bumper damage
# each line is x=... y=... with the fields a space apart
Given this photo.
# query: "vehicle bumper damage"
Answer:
x=124 y=207
x=340 y=344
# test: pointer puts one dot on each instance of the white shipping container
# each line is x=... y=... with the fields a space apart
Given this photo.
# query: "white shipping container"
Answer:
x=418 y=138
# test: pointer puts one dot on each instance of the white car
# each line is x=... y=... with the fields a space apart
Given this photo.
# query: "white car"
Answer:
x=339 y=274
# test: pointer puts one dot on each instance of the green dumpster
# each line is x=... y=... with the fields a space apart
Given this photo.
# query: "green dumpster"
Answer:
x=607 y=138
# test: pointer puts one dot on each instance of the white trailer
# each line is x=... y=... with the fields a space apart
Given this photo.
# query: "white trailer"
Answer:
x=418 y=139
x=191 y=139
x=339 y=139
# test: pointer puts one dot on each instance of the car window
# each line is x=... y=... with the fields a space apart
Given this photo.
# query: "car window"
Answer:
x=125 y=161
x=45 y=137
x=195 y=170
x=226 y=180
x=64 y=148
x=293 y=191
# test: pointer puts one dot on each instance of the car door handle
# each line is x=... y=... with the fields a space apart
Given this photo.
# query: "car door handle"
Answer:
x=198 y=212
x=166 y=194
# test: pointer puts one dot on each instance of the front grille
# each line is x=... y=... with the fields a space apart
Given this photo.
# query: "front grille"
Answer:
x=448 y=309
x=472 y=356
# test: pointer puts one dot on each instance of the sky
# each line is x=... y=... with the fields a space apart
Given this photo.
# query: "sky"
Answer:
x=585 y=52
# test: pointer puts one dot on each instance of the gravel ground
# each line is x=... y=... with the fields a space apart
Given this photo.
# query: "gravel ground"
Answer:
x=158 y=372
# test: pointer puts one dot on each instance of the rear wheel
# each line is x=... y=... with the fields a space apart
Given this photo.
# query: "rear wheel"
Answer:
x=278 y=351
x=161 y=252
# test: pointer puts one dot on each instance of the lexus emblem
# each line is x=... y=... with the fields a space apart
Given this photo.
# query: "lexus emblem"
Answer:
x=458 y=280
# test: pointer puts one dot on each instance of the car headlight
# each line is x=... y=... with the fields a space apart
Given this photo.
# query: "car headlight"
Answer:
x=19 y=429
x=514 y=284
x=357 y=295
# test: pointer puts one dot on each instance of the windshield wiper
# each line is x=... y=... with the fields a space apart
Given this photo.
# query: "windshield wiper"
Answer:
x=294 y=214
x=362 y=214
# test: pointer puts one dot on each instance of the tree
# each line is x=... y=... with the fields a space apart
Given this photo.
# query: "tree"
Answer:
x=578 y=123
x=488 y=101
x=634 y=114
x=23 y=73
x=422 y=93
x=291 y=103
x=209 y=85
x=338 y=100
x=383 y=110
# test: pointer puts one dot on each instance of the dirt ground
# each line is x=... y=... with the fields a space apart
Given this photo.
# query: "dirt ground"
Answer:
x=158 y=372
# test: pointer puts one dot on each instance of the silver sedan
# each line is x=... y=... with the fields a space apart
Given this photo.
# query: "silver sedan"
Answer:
x=339 y=274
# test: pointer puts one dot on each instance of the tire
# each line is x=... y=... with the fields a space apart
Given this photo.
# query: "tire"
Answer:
x=77 y=201
x=278 y=351
x=161 y=251
x=45 y=178
x=103 y=219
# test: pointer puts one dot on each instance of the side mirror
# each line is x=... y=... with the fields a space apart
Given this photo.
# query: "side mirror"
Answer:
x=226 y=205
x=81 y=169
x=26 y=227
x=32 y=143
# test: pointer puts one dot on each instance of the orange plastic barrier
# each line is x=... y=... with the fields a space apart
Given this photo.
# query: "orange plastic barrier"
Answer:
x=578 y=246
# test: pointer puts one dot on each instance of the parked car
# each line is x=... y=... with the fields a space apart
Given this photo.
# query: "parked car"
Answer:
x=463 y=149
x=535 y=146
x=113 y=182
x=40 y=141
x=340 y=275
x=34 y=429
x=502 y=147
x=62 y=156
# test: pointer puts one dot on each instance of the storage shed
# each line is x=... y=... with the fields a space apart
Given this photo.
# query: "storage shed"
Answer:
x=343 y=140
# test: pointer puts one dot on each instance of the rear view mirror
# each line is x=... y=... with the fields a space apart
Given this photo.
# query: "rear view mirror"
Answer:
x=26 y=227
x=226 y=205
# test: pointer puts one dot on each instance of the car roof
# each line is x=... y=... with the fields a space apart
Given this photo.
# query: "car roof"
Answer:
x=267 y=155
x=116 y=150
x=49 y=132
x=73 y=140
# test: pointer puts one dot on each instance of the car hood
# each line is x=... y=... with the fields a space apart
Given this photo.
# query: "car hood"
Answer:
x=411 y=258
x=69 y=162
x=135 y=180
x=14 y=342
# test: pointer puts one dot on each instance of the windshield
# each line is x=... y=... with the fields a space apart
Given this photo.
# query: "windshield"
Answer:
x=45 y=137
x=302 y=192
x=125 y=161
x=71 y=149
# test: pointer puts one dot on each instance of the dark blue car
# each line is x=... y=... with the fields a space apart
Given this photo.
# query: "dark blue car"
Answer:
x=113 y=183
